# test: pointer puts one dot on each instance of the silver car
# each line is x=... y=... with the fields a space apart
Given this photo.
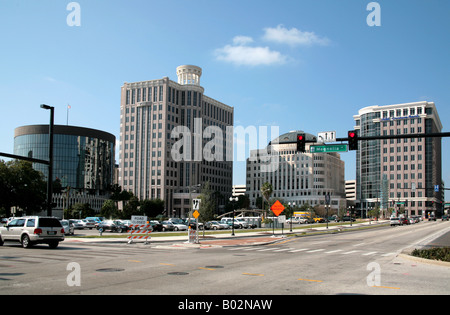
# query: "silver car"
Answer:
x=395 y=221
x=33 y=230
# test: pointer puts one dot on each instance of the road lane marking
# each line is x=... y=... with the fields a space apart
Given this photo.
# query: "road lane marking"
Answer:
x=350 y=252
x=384 y=287
x=370 y=253
x=309 y=280
x=165 y=264
x=204 y=268
x=315 y=250
x=334 y=251
x=282 y=250
x=253 y=274
x=266 y=249
x=298 y=250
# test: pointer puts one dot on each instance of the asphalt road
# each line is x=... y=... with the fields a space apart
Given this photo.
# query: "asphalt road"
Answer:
x=359 y=262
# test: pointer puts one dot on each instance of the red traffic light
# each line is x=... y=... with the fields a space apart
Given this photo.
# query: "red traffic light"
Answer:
x=351 y=134
x=300 y=137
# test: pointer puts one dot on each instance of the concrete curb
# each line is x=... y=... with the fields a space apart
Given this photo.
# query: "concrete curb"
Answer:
x=406 y=254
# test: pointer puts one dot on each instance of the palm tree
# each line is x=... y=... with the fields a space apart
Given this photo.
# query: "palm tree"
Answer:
x=266 y=191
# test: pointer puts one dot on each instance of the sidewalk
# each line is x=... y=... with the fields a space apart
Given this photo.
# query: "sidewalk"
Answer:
x=252 y=237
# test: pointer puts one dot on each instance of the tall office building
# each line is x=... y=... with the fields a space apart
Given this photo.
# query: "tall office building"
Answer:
x=396 y=173
x=156 y=118
x=298 y=178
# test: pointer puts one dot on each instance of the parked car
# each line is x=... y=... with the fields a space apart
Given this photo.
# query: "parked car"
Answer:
x=77 y=224
x=167 y=226
x=431 y=218
x=242 y=223
x=230 y=223
x=68 y=227
x=214 y=225
x=395 y=221
x=404 y=220
x=156 y=226
x=89 y=224
x=318 y=220
x=347 y=219
x=32 y=230
x=113 y=226
x=179 y=227
x=445 y=217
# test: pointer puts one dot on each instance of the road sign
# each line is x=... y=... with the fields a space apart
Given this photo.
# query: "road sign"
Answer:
x=328 y=148
x=282 y=219
x=436 y=188
x=277 y=208
x=195 y=204
x=196 y=214
x=326 y=136
x=138 y=219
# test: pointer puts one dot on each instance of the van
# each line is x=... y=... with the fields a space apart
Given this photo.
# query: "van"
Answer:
x=32 y=230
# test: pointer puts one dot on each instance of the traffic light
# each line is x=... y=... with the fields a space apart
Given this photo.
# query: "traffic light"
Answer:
x=352 y=140
x=301 y=140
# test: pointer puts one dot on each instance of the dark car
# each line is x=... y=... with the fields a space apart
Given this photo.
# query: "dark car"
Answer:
x=347 y=219
x=156 y=226
x=404 y=221
x=113 y=226
x=445 y=217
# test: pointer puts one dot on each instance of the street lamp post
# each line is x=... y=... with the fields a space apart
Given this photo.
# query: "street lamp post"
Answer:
x=232 y=222
x=50 y=159
x=292 y=215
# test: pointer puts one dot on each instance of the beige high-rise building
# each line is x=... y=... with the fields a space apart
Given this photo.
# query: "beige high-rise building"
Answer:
x=163 y=138
x=296 y=178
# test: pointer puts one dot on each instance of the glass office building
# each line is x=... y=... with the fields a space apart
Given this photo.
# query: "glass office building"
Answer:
x=83 y=158
x=399 y=174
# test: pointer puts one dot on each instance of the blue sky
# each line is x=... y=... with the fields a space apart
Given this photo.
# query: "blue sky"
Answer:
x=296 y=64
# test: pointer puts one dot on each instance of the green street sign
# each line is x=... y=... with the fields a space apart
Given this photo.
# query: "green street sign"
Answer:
x=328 y=148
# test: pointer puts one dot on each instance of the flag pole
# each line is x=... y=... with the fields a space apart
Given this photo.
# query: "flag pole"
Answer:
x=67 y=121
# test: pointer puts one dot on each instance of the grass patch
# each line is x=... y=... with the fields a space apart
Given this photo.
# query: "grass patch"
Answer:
x=435 y=253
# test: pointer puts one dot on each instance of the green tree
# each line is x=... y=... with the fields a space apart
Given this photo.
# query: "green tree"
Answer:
x=21 y=186
x=109 y=209
x=207 y=204
x=266 y=191
x=152 y=208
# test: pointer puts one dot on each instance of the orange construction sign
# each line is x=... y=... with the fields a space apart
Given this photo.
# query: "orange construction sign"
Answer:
x=277 y=208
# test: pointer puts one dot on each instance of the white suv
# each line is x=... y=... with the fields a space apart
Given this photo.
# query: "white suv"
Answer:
x=33 y=230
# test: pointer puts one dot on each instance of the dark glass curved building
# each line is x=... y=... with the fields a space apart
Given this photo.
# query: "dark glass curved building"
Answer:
x=83 y=158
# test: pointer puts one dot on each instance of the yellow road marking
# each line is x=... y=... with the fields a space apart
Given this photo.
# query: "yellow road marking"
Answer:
x=253 y=274
x=206 y=268
x=136 y=261
x=383 y=287
x=164 y=264
x=310 y=280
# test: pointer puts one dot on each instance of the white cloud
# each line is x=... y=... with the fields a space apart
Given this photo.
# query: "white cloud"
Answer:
x=293 y=37
x=252 y=56
x=242 y=40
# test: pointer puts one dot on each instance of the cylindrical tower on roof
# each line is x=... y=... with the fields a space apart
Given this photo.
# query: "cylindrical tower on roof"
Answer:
x=189 y=74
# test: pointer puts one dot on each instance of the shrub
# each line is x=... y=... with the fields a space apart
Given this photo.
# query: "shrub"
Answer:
x=435 y=253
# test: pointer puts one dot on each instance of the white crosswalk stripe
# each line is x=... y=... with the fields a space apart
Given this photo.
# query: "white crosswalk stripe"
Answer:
x=309 y=251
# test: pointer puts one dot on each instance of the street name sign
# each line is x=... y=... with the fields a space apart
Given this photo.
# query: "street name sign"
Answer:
x=328 y=148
